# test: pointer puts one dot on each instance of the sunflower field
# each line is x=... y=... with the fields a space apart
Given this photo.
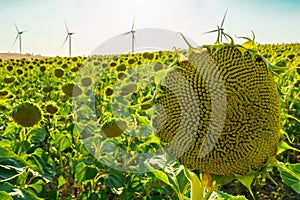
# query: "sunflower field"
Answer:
x=85 y=127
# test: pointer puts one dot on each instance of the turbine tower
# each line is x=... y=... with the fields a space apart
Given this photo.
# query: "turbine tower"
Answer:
x=69 y=36
x=132 y=31
x=220 y=29
x=19 y=35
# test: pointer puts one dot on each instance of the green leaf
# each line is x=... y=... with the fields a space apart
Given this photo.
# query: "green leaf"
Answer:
x=22 y=146
x=152 y=140
x=283 y=146
x=37 y=135
x=247 y=181
x=84 y=172
x=158 y=173
x=91 y=173
x=84 y=112
x=62 y=141
x=8 y=172
x=18 y=193
x=81 y=149
x=290 y=174
x=5 y=143
x=226 y=196
x=161 y=176
x=66 y=109
x=221 y=180
x=171 y=174
x=182 y=180
x=114 y=179
x=266 y=171
x=86 y=128
x=43 y=164
x=38 y=187
x=61 y=181
x=10 y=158
x=80 y=172
x=159 y=75
x=5 y=196
x=54 y=194
x=10 y=129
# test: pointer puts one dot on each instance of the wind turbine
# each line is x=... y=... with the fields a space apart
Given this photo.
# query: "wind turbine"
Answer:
x=220 y=29
x=69 y=36
x=19 y=35
x=132 y=31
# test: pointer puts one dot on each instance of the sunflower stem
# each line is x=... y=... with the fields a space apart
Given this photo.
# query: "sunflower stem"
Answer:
x=23 y=134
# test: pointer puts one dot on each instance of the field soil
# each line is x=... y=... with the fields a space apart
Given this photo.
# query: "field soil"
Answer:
x=6 y=56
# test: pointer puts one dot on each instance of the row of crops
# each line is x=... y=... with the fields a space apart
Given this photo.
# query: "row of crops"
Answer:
x=53 y=108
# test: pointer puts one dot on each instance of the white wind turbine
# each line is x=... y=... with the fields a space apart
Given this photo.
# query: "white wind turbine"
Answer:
x=132 y=32
x=69 y=36
x=19 y=36
x=220 y=29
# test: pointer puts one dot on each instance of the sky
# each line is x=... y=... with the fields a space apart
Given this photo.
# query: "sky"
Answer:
x=98 y=21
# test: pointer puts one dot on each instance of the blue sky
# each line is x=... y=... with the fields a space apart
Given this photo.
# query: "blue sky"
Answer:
x=96 y=21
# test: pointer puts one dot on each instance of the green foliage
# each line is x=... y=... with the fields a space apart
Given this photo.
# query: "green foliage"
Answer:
x=172 y=174
x=84 y=172
x=290 y=174
x=17 y=193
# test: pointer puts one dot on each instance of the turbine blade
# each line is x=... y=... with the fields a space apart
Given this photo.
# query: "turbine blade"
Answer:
x=16 y=26
x=224 y=18
x=16 y=39
x=126 y=33
x=65 y=41
x=225 y=36
x=67 y=28
x=213 y=31
x=133 y=23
